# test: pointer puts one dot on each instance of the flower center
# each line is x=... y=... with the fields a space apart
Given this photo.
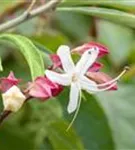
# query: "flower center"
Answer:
x=74 y=78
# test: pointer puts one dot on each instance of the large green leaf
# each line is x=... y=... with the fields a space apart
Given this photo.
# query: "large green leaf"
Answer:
x=104 y=13
x=119 y=4
x=41 y=116
x=47 y=120
x=10 y=139
x=29 y=51
x=31 y=124
x=61 y=139
x=91 y=123
x=119 y=107
x=117 y=38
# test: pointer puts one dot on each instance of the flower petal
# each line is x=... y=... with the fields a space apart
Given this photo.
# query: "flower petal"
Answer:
x=62 y=79
x=86 y=61
x=102 y=49
x=95 y=67
x=65 y=56
x=88 y=84
x=81 y=49
x=56 y=61
x=74 y=97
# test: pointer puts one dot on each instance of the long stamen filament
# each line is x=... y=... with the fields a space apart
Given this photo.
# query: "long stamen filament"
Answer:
x=104 y=89
x=115 y=79
x=77 y=111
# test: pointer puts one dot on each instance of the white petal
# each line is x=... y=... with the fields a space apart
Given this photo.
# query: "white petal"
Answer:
x=87 y=59
x=62 y=79
x=88 y=84
x=65 y=57
x=74 y=97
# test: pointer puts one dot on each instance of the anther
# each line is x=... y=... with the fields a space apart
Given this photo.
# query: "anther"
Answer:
x=89 y=52
x=95 y=48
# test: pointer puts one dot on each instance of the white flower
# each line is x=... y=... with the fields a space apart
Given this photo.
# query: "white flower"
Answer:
x=13 y=99
x=75 y=75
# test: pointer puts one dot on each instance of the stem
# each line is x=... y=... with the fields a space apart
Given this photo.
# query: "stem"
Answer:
x=28 y=14
x=4 y=115
x=31 y=6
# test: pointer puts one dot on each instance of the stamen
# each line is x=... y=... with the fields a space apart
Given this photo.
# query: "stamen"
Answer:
x=74 y=78
x=89 y=52
x=77 y=111
x=96 y=49
x=115 y=79
x=104 y=89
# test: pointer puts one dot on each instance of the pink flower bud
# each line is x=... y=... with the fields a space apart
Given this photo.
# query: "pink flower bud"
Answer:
x=7 y=82
x=81 y=49
x=43 y=88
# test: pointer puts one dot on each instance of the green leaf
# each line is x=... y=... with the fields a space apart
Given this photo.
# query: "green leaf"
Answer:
x=117 y=38
x=10 y=139
x=61 y=139
x=46 y=145
x=29 y=51
x=119 y=107
x=39 y=119
x=118 y=4
x=91 y=123
x=1 y=68
x=103 y=13
x=31 y=125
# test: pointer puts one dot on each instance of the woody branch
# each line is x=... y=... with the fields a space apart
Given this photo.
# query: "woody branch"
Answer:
x=29 y=13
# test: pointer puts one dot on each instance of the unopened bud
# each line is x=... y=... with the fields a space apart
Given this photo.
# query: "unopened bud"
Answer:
x=13 y=99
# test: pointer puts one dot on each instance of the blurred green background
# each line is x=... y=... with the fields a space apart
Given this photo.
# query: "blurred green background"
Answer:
x=106 y=121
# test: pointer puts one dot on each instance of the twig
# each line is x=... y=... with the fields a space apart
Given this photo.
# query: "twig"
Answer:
x=4 y=115
x=31 y=6
x=29 y=14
